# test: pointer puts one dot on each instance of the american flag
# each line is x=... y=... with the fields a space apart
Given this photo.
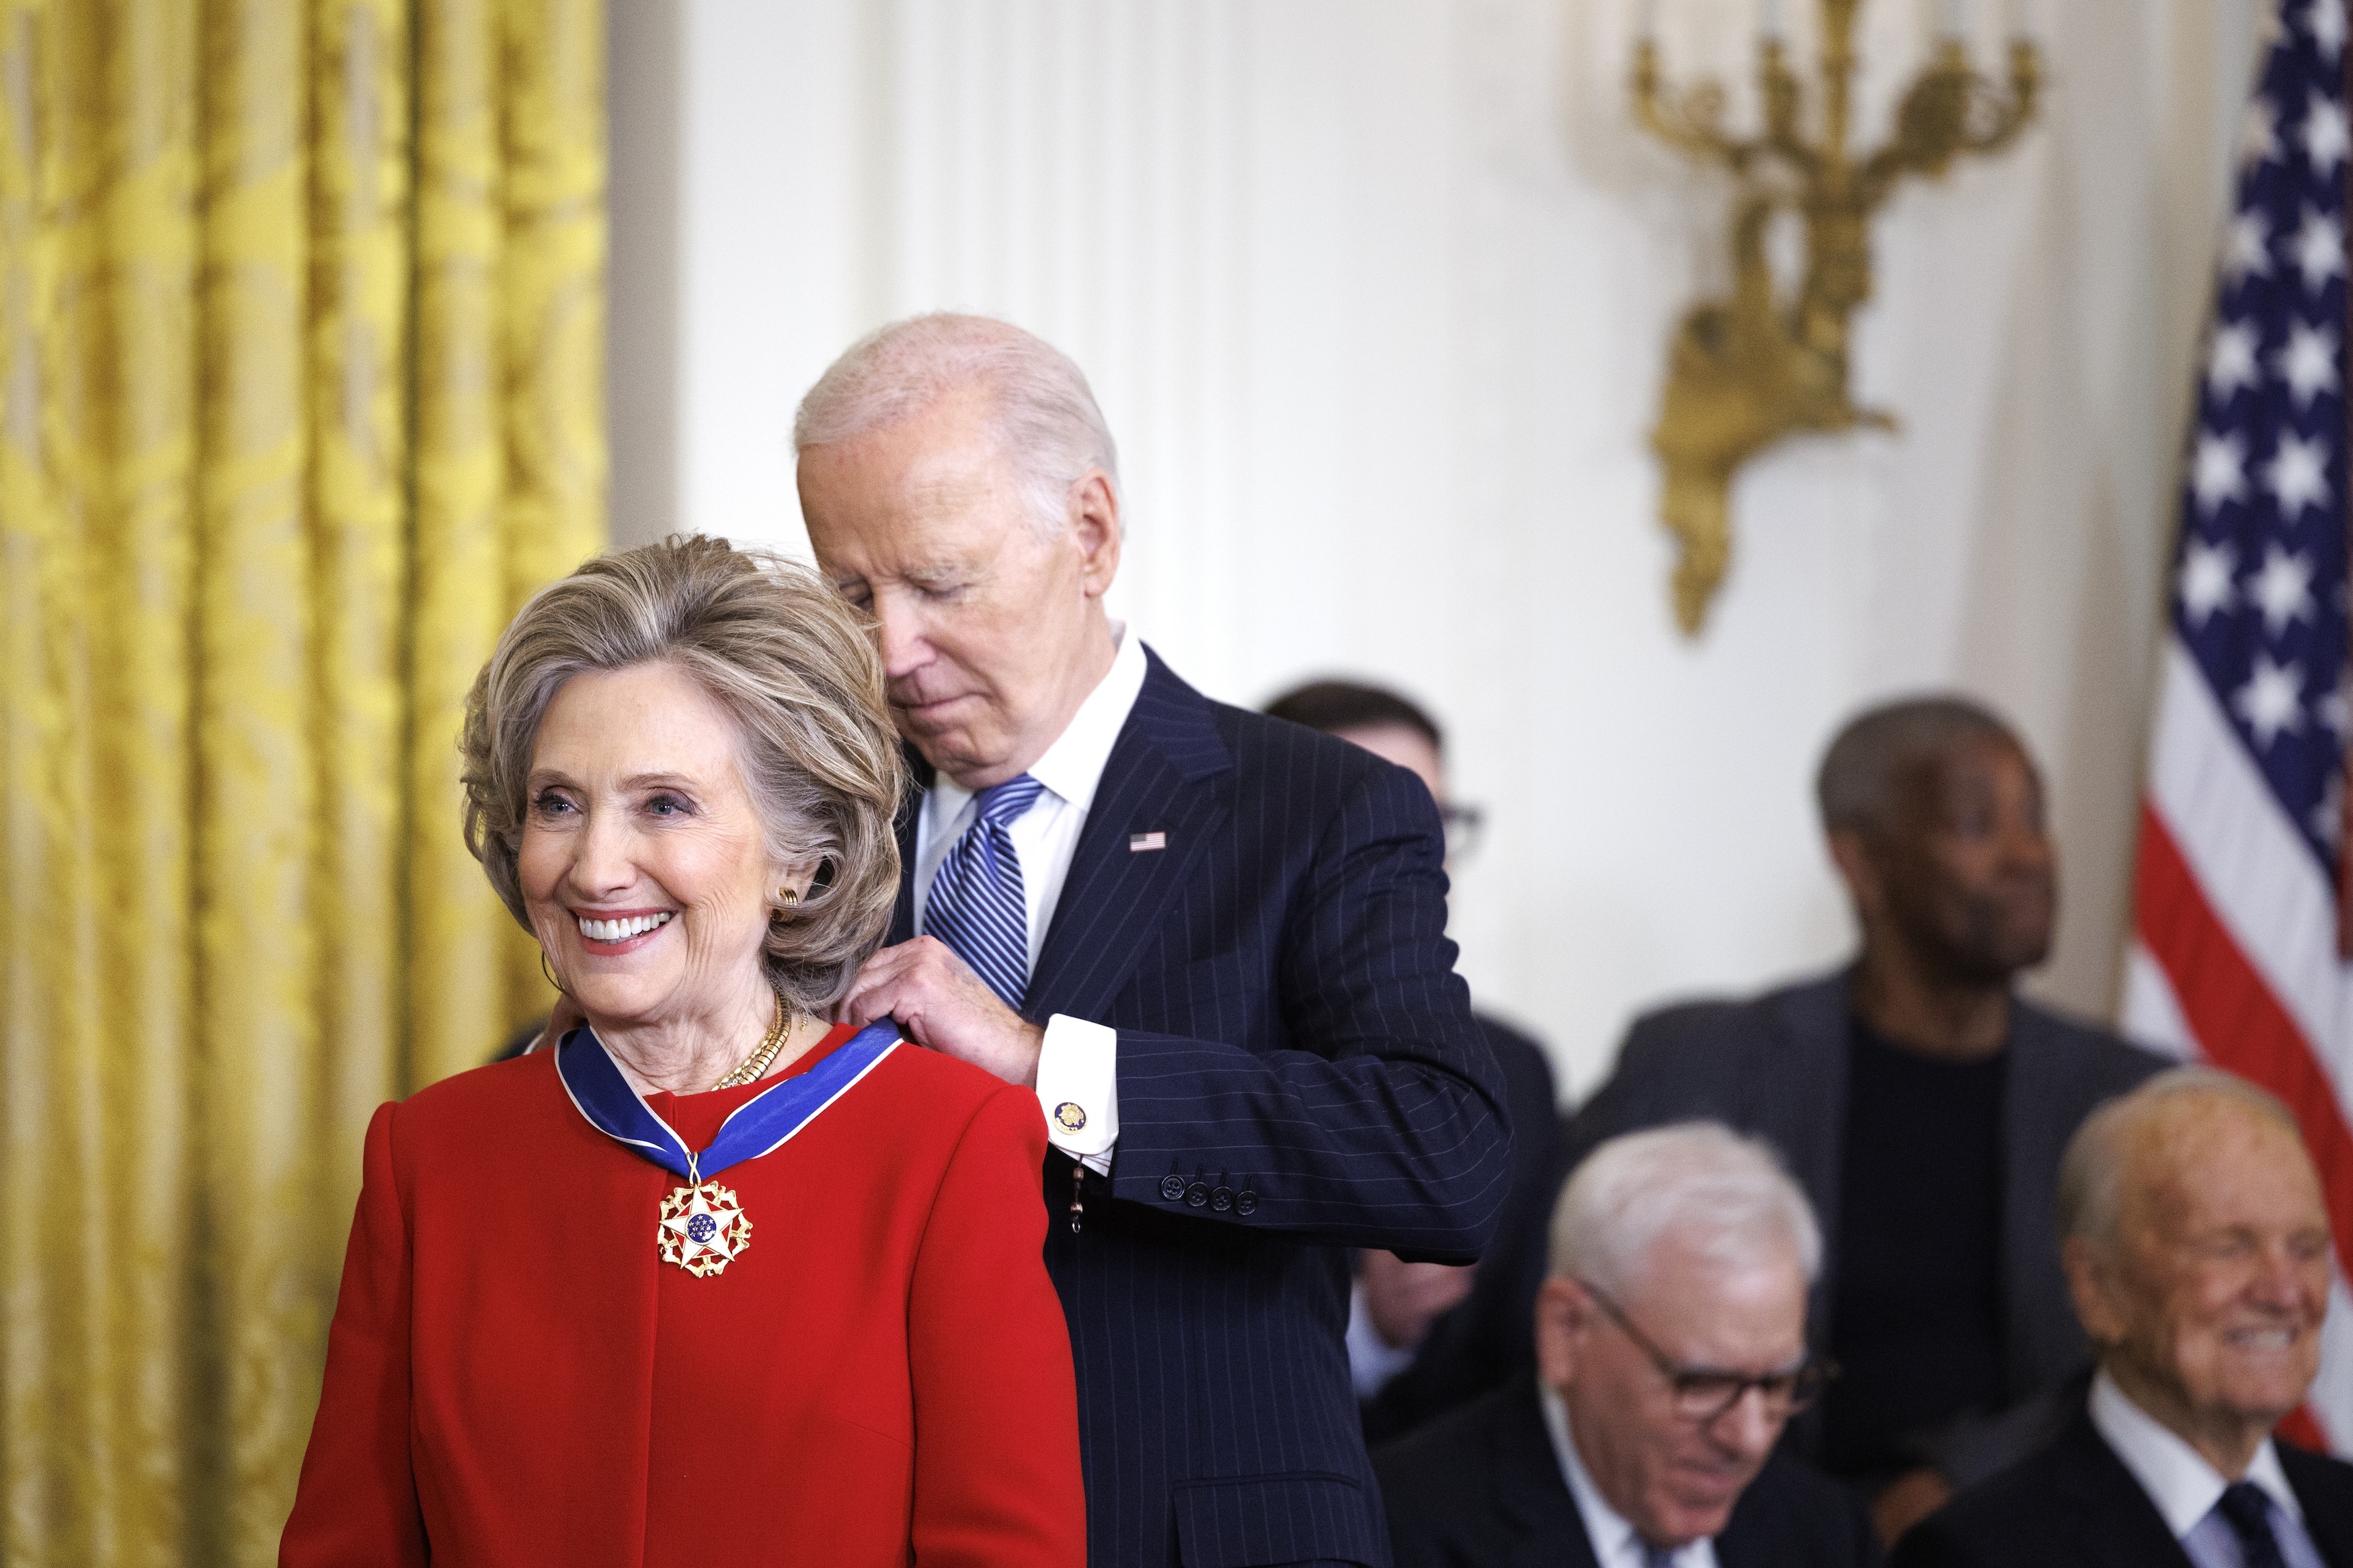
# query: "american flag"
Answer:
x=2237 y=954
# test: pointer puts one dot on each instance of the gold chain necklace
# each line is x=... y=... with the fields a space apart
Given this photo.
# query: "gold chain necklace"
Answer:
x=754 y=1066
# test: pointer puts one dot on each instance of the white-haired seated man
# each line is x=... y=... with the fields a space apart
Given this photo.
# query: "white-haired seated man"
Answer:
x=1671 y=1350
x=2197 y=1250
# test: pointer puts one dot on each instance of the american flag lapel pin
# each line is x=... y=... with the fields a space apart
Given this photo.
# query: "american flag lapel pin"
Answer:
x=1137 y=843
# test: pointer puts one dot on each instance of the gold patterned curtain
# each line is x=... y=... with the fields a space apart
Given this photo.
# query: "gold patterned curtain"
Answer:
x=301 y=366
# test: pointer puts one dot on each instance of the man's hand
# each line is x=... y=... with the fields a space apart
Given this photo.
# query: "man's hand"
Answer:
x=944 y=1007
x=1906 y=1500
x=1404 y=1299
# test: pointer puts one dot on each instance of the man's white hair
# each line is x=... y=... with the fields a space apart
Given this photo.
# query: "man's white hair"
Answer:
x=2091 y=1171
x=1722 y=1196
x=1044 y=412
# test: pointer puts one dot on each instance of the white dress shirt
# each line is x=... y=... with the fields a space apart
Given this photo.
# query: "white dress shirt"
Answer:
x=1372 y=1360
x=1078 y=1068
x=2186 y=1488
x=1616 y=1543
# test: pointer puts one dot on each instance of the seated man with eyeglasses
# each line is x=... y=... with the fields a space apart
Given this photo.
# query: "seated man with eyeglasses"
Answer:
x=1671 y=1349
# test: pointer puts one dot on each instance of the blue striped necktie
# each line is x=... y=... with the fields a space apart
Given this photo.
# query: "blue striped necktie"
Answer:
x=976 y=905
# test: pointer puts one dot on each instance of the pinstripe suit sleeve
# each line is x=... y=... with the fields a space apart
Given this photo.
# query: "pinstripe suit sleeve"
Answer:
x=1382 y=1126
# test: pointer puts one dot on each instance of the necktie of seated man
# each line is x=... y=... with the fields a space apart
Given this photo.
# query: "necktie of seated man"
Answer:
x=2248 y=1512
x=976 y=905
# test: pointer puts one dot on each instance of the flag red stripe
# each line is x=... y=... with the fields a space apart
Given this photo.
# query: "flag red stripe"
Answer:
x=2234 y=1016
x=2300 y=1428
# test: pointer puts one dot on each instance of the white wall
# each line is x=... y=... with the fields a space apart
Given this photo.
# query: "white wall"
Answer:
x=1374 y=293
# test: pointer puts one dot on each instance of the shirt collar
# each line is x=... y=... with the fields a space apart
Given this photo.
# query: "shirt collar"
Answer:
x=1073 y=766
x=2178 y=1478
x=1614 y=1539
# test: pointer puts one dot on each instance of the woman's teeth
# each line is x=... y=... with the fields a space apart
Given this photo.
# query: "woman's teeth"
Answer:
x=621 y=931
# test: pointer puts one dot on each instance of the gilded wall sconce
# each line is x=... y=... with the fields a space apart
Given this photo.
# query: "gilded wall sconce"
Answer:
x=1745 y=370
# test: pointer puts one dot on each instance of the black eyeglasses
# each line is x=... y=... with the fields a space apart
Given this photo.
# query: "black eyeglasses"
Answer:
x=1704 y=1394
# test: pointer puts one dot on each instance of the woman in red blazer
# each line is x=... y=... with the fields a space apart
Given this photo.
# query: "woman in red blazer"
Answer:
x=709 y=1282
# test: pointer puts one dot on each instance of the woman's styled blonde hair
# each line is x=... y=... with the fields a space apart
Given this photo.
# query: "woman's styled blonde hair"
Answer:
x=779 y=649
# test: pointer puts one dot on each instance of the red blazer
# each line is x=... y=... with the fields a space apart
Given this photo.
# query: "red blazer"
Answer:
x=515 y=1377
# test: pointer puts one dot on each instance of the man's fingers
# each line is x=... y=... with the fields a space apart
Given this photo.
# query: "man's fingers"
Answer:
x=868 y=999
x=869 y=996
x=897 y=994
x=851 y=1010
x=911 y=981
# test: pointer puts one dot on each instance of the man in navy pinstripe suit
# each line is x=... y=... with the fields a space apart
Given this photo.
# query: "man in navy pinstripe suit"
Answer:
x=1213 y=942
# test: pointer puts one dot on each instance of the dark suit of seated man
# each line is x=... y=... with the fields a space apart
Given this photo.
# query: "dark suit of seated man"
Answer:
x=2197 y=1248
x=1670 y=1353
x=1922 y=1105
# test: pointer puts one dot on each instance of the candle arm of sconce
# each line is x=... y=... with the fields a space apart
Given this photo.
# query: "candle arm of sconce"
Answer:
x=1788 y=146
x=2009 y=113
x=2025 y=89
x=1691 y=127
x=1986 y=120
x=1690 y=121
x=2015 y=117
x=1784 y=100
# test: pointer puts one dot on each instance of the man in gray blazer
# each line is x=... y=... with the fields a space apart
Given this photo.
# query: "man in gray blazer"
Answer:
x=1920 y=1102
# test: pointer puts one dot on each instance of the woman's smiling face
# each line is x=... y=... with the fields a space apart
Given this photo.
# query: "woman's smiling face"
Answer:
x=643 y=864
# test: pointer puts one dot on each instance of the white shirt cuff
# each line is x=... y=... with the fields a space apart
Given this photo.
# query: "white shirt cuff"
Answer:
x=1372 y=1361
x=1078 y=1084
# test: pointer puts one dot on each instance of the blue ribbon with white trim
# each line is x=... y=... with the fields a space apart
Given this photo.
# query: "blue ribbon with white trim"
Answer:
x=759 y=1126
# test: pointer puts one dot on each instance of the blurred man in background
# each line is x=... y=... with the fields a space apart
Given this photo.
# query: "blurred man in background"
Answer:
x=1426 y=1337
x=1922 y=1104
x=1672 y=1346
x=2198 y=1249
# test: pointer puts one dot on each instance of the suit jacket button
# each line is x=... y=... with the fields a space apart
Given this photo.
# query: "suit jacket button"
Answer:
x=1246 y=1202
x=1172 y=1187
x=1197 y=1195
x=1221 y=1198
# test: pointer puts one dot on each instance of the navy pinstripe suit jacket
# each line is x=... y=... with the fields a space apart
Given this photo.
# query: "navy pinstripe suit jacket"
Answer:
x=1299 y=1072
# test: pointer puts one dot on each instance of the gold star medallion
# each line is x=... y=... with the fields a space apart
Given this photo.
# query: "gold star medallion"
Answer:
x=704 y=1228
